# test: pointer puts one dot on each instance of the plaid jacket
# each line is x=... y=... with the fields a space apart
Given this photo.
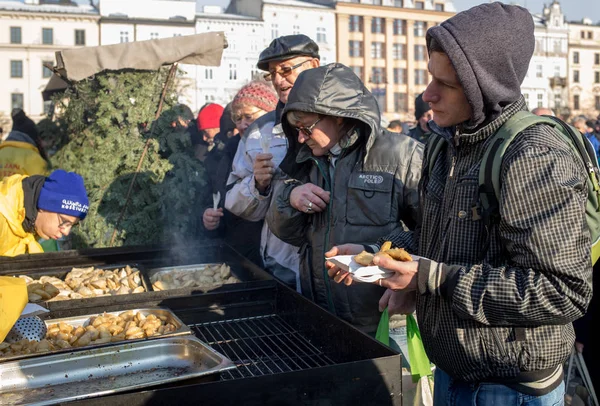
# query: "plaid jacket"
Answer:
x=506 y=318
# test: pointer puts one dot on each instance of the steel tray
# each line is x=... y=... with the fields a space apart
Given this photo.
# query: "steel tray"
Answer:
x=191 y=267
x=61 y=273
x=76 y=321
x=102 y=371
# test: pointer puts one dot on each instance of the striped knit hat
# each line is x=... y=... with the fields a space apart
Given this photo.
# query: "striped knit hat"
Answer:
x=258 y=94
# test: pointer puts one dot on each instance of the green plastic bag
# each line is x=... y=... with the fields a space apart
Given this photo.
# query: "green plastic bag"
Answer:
x=419 y=363
x=383 y=329
x=49 y=245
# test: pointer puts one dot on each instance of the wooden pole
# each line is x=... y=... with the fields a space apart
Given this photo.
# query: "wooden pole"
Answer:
x=168 y=81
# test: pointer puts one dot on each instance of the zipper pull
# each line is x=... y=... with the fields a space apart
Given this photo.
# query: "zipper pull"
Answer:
x=452 y=167
x=456 y=137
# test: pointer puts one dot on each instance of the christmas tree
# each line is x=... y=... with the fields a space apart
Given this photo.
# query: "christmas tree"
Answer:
x=108 y=120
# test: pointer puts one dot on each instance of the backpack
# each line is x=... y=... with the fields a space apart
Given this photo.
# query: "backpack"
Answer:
x=487 y=207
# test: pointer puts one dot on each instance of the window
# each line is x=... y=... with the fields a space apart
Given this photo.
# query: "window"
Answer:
x=400 y=102
x=590 y=35
x=377 y=25
x=420 y=77
x=439 y=7
x=575 y=57
x=355 y=49
x=80 y=37
x=420 y=52
x=153 y=35
x=540 y=100
x=47 y=36
x=15 y=35
x=575 y=76
x=419 y=30
x=582 y=34
x=596 y=77
x=400 y=76
x=377 y=50
x=557 y=101
x=177 y=34
x=274 y=31
x=420 y=5
x=355 y=24
x=48 y=107
x=399 y=51
x=209 y=98
x=539 y=71
x=576 y=102
x=46 y=73
x=296 y=29
x=16 y=100
x=398 y=3
x=208 y=74
x=556 y=71
x=376 y=76
x=358 y=70
x=124 y=36
x=321 y=35
x=526 y=95
x=16 y=69
x=399 y=27
x=597 y=102
x=596 y=59
x=377 y=2
x=232 y=71
x=557 y=47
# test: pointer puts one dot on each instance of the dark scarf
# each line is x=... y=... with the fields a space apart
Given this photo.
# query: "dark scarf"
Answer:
x=32 y=186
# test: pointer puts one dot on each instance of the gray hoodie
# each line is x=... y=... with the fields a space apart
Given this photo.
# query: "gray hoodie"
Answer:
x=506 y=317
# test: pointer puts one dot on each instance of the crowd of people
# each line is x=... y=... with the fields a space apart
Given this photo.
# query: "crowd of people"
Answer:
x=304 y=170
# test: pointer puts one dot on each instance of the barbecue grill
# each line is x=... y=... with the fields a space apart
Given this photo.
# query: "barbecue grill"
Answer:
x=287 y=350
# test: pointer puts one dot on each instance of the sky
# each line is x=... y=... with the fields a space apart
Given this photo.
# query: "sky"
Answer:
x=575 y=10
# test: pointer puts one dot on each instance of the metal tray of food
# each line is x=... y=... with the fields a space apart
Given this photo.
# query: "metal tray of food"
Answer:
x=204 y=276
x=54 y=344
x=103 y=371
x=86 y=282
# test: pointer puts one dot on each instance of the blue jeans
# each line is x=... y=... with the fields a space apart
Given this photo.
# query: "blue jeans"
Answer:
x=447 y=392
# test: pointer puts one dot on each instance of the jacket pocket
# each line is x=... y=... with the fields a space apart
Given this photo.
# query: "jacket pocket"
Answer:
x=369 y=199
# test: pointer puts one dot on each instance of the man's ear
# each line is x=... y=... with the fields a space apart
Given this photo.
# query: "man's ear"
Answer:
x=315 y=63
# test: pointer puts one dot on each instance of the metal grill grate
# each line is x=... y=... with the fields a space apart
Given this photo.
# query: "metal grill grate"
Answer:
x=261 y=345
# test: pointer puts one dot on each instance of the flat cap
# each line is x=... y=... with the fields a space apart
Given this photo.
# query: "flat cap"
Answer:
x=287 y=47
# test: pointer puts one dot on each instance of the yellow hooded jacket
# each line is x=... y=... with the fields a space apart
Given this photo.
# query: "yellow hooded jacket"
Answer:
x=14 y=240
x=17 y=157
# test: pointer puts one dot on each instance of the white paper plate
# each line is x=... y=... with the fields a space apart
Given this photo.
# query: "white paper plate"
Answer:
x=362 y=273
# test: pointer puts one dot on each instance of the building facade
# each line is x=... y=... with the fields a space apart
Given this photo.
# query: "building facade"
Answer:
x=384 y=43
x=546 y=82
x=584 y=69
x=245 y=38
x=288 y=17
x=30 y=34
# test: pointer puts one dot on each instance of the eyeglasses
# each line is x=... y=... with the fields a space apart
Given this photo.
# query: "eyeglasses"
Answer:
x=284 y=71
x=308 y=130
x=247 y=116
x=64 y=224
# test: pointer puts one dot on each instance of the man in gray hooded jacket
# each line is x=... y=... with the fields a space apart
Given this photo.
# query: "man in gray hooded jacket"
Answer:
x=495 y=303
x=350 y=181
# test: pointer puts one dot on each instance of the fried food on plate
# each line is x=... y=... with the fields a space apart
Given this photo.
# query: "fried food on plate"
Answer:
x=364 y=258
x=399 y=254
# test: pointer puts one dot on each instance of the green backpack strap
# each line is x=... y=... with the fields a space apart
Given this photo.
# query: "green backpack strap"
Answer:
x=489 y=172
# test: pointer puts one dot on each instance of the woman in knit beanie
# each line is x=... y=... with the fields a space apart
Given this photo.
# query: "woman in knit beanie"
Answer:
x=252 y=101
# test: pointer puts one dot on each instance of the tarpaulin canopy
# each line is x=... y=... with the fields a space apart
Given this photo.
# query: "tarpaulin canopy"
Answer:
x=55 y=85
x=199 y=49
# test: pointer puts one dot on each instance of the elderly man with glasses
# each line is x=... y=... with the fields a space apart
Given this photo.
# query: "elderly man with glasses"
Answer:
x=350 y=180
x=263 y=146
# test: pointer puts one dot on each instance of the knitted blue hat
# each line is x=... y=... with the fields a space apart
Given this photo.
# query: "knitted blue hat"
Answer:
x=64 y=193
